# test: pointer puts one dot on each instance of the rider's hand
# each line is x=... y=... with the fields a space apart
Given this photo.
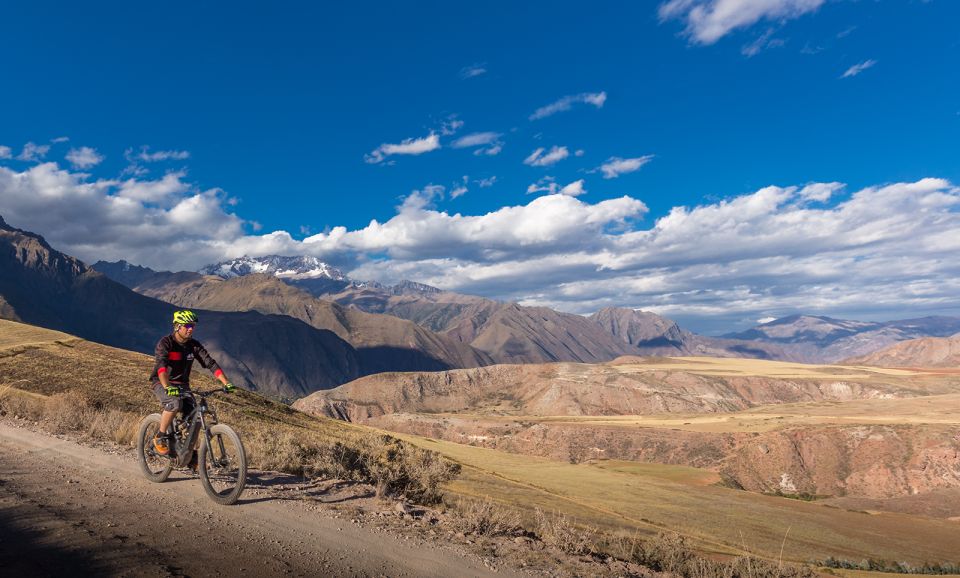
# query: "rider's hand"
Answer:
x=173 y=390
x=229 y=387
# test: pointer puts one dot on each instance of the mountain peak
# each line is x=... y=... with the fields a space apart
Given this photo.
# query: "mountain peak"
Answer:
x=299 y=267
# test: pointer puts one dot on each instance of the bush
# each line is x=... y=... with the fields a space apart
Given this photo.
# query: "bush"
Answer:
x=486 y=518
x=392 y=466
x=672 y=553
x=558 y=531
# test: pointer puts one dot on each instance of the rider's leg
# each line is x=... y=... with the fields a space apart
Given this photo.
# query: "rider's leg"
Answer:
x=165 y=418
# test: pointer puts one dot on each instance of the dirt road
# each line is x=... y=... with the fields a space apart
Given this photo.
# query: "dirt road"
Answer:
x=67 y=509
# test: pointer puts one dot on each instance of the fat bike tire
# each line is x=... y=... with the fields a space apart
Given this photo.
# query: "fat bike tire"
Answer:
x=222 y=465
x=155 y=467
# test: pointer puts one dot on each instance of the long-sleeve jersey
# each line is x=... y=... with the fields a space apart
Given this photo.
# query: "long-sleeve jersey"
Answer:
x=176 y=359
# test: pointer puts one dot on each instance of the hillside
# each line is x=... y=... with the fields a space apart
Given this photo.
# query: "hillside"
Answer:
x=383 y=342
x=628 y=499
x=272 y=354
x=818 y=339
x=923 y=352
x=765 y=426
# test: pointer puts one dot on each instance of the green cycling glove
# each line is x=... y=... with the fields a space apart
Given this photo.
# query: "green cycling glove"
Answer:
x=229 y=387
x=173 y=390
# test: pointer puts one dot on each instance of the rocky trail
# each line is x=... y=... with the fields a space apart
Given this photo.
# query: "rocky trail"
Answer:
x=68 y=509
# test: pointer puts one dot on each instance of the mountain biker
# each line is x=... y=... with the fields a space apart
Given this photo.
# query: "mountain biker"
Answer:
x=175 y=354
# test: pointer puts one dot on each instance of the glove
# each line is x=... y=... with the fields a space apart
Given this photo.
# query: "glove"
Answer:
x=173 y=390
x=229 y=387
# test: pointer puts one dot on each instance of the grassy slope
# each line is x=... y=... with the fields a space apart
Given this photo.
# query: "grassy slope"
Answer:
x=624 y=496
x=648 y=498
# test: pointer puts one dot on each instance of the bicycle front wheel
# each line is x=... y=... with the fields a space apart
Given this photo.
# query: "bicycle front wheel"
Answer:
x=155 y=467
x=222 y=465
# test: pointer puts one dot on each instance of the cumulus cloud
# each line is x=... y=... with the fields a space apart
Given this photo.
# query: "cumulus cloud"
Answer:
x=710 y=20
x=616 y=166
x=538 y=159
x=84 y=157
x=5 y=152
x=550 y=186
x=408 y=146
x=33 y=152
x=597 y=99
x=858 y=68
x=881 y=251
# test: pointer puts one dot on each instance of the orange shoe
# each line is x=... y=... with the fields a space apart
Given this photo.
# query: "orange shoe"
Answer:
x=161 y=445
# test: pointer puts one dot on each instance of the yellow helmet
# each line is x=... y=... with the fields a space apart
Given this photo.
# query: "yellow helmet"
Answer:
x=185 y=316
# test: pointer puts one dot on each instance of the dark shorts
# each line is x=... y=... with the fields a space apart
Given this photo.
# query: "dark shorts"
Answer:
x=170 y=402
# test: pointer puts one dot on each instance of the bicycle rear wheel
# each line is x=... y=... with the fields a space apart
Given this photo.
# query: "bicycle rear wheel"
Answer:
x=155 y=467
x=222 y=465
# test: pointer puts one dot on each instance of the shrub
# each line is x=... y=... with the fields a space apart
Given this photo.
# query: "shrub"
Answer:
x=67 y=411
x=558 y=531
x=486 y=518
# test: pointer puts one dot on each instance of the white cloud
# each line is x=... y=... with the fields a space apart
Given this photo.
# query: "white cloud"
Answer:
x=408 y=146
x=574 y=189
x=550 y=186
x=84 y=157
x=476 y=139
x=616 y=166
x=5 y=152
x=450 y=126
x=473 y=70
x=60 y=139
x=487 y=143
x=597 y=99
x=163 y=192
x=33 y=152
x=152 y=157
x=710 y=20
x=858 y=68
x=886 y=250
x=538 y=159
x=487 y=182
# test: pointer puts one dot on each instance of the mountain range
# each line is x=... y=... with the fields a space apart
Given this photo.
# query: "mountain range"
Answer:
x=291 y=326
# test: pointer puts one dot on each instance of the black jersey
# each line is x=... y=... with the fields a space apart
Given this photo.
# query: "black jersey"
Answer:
x=177 y=358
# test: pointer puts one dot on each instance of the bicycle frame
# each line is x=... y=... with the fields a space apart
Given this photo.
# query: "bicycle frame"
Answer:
x=194 y=421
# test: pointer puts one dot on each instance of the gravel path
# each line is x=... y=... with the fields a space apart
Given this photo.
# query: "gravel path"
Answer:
x=67 y=509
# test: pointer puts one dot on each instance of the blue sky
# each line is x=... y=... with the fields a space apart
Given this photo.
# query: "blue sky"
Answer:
x=226 y=122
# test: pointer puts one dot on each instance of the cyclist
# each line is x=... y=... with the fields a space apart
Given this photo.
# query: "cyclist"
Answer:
x=175 y=354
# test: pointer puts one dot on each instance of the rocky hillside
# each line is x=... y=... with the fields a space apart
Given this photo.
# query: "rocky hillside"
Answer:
x=631 y=386
x=383 y=342
x=272 y=354
x=924 y=352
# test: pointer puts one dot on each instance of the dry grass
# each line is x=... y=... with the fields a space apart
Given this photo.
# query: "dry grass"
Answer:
x=650 y=499
x=486 y=518
x=557 y=530
x=71 y=412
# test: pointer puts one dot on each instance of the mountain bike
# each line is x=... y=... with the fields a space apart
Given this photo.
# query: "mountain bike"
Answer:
x=220 y=458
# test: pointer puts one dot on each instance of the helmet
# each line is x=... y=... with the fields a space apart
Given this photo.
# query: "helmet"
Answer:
x=185 y=316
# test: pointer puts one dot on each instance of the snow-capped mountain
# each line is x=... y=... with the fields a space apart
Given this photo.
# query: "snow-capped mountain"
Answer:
x=276 y=265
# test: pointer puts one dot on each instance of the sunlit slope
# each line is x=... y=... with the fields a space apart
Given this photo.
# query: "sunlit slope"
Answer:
x=650 y=498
